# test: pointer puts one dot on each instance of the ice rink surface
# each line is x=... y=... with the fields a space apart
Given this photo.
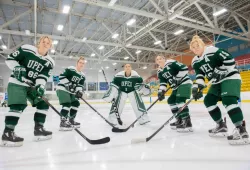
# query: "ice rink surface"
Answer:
x=167 y=150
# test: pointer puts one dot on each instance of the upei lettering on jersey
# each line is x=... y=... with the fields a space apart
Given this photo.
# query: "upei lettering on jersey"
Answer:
x=126 y=83
x=76 y=79
x=35 y=65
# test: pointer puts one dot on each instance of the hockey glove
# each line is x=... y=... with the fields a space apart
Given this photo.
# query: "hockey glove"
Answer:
x=79 y=94
x=70 y=87
x=40 y=90
x=197 y=91
x=219 y=74
x=161 y=95
x=144 y=90
x=19 y=73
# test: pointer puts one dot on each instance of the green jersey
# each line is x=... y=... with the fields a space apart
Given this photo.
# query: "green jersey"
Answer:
x=38 y=67
x=211 y=58
x=173 y=70
x=127 y=84
x=71 y=76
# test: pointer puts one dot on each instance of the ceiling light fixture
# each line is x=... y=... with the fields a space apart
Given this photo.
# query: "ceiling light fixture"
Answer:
x=138 y=52
x=115 y=36
x=178 y=32
x=55 y=42
x=101 y=47
x=66 y=9
x=131 y=22
x=60 y=27
x=217 y=13
x=157 y=42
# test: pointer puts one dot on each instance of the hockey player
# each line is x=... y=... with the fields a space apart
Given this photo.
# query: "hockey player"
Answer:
x=127 y=84
x=219 y=65
x=70 y=88
x=174 y=74
x=34 y=65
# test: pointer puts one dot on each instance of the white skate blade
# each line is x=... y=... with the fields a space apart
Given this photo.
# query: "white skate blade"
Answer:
x=66 y=129
x=133 y=141
x=10 y=144
x=76 y=126
x=42 y=138
x=244 y=141
x=184 y=130
x=144 y=123
x=218 y=135
x=173 y=127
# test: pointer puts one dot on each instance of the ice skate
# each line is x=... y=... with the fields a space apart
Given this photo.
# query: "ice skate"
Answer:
x=239 y=136
x=176 y=123
x=41 y=134
x=219 y=131
x=10 y=139
x=65 y=125
x=185 y=125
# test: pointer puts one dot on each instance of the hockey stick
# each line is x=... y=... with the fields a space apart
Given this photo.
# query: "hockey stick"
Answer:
x=97 y=112
x=93 y=142
x=115 y=129
x=113 y=103
x=183 y=107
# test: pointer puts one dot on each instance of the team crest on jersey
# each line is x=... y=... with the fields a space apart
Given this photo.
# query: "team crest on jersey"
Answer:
x=206 y=58
x=47 y=64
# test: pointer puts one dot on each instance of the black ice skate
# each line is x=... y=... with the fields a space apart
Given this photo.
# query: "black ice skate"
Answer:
x=74 y=124
x=219 y=131
x=176 y=123
x=239 y=136
x=185 y=126
x=10 y=139
x=41 y=134
x=65 y=125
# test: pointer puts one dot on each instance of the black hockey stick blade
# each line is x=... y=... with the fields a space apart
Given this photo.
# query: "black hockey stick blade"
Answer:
x=117 y=130
x=140 y=140
x=94 y=142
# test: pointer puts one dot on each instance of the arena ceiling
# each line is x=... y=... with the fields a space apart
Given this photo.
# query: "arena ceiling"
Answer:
x=119 y=31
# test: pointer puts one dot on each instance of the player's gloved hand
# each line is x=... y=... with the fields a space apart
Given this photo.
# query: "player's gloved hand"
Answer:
x=197 y=91
x=79 y=94
x=161 y=95
x=219 y=74
x=40 y=90
x=70 y=87
x=19 y=73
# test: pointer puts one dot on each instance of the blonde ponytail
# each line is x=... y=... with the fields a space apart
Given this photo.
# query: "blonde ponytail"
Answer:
x=198 y=40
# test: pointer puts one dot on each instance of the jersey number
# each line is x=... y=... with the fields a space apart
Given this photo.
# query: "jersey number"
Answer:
x=32 y=74
x=16 y=53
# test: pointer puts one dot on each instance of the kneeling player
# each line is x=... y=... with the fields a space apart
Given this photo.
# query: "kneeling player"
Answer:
x=34 y=65
x=127 y=84
x=219 y=65
x=69 y=90
x=175 y=74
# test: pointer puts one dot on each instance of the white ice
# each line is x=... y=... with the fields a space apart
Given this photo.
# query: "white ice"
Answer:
x=167 y=150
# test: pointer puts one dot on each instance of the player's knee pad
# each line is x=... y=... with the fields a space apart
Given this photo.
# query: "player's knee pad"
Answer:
x=171 y=99
x=112 y=93
x=228 y=100
x=76 y=103
x=210 y=100
x=17 y=107
x=42 y=105
x=68 y=105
